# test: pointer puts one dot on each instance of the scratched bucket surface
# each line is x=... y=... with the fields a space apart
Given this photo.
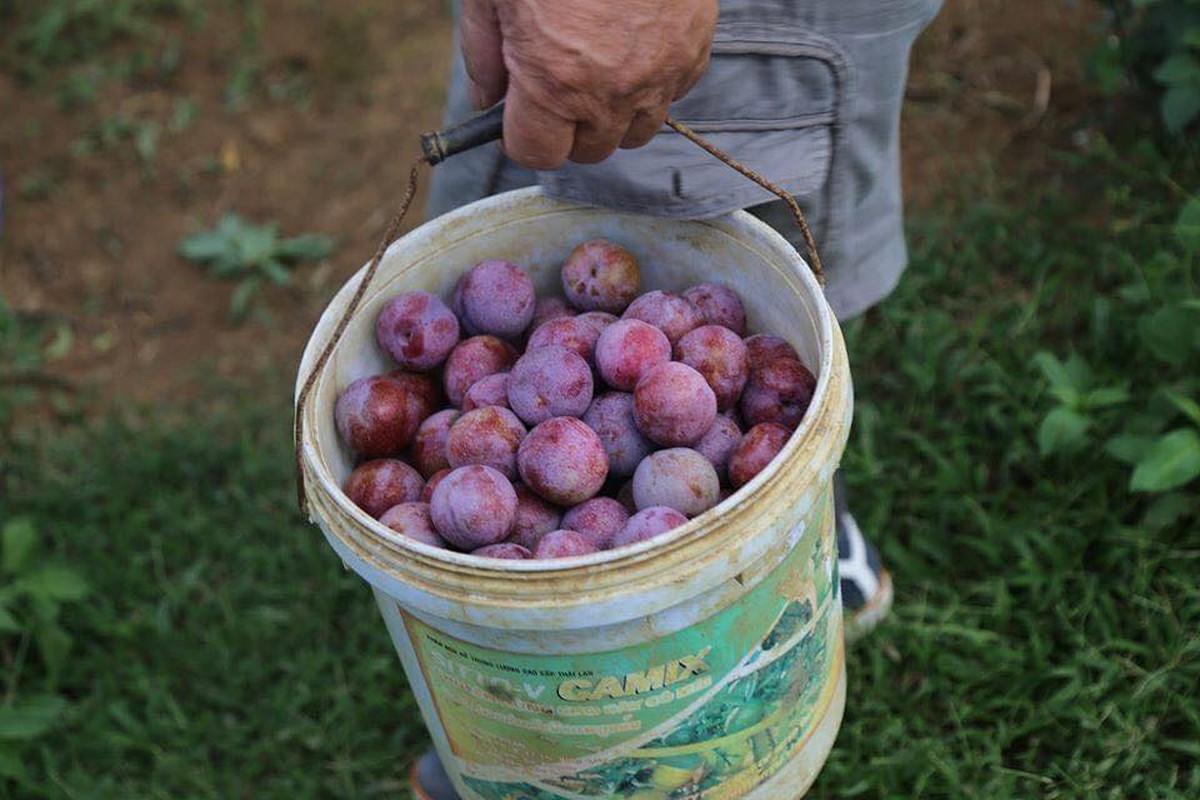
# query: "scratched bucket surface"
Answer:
x=707 y=663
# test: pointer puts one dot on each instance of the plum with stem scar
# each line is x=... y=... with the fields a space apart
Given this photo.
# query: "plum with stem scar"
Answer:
x=600 y=276
x=417 y=330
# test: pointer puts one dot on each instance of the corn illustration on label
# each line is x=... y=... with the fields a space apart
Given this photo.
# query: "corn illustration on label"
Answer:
x=710 y=711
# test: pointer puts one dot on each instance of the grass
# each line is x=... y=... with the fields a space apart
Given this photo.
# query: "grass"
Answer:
x=1044 y=641
x=212 y=658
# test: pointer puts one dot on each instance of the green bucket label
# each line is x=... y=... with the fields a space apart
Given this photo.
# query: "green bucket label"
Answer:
x=710 y=711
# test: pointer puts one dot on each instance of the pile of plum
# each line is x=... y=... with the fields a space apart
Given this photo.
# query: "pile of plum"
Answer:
x=526 y=427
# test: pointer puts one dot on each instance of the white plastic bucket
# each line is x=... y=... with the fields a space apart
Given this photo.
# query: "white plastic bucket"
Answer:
x=706 y=663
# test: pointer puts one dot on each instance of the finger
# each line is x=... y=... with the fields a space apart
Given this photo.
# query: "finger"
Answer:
x=482 y=49
x=643 y=128
x=704 y=56
x=594 y=144
x=534 y=136
x=693 y=77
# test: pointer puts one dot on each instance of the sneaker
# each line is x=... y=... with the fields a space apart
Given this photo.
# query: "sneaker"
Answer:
x=429 y=781
x=866 y=586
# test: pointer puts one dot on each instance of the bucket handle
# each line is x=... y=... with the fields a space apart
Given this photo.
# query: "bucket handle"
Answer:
x=488 y=126
x=436 y=147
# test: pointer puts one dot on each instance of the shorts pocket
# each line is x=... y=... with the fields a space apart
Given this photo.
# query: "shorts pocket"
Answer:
x=774 y=97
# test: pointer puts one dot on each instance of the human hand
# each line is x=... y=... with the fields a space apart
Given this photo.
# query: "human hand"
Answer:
x=581 y=78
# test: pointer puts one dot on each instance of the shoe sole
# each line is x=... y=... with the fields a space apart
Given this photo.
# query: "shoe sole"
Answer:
x=863 y=621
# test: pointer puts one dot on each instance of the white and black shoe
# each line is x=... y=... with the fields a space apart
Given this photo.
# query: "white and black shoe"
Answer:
x=866 y=586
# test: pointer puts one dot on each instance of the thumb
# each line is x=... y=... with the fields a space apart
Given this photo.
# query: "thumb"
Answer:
x=482 y=49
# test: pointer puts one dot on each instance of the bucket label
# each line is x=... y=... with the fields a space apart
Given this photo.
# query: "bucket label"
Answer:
x=710 y=711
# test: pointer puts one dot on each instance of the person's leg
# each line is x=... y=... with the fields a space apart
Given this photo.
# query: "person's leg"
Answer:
x=865 y=585
x=872 y=255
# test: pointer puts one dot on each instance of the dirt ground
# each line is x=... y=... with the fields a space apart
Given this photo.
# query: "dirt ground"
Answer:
x=323 y=145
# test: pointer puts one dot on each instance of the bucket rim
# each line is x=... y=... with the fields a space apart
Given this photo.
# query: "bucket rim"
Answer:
x=535 y=202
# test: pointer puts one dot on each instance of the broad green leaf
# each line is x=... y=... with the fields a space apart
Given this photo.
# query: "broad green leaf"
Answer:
x=1171 y=462
x=31 y=717
x=1169 y=508
x=255 y=244
x=1187 y=226
x=239 y=303
x=1065 y=379
x=45 y=609
x=1129 y=448
x=277 y=272
x=1106 y=396
x=8 y=623
x=55 y=582
x=227 y=266
x=1180 y=105
x=230 y=226
x=1169 y=333
x=1189 y=407
x=1080 y=373
x=207 y=246
x=1179 y=68
x=1134 y=293
x=1062 y=431
x=307 y=247
x=19 y=538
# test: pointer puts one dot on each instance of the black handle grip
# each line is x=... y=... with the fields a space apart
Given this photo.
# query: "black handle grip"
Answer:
x=481 y=129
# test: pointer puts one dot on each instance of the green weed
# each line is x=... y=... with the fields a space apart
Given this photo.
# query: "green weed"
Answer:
x=33 y=592
x=27 y=343
x=137 y=136
x=1154 y=45
x=1045 y=639
x=211 y=657
x=253 y=254
x=42 y=36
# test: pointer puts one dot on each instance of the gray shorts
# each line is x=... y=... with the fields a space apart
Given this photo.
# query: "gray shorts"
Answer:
x=807 y=93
